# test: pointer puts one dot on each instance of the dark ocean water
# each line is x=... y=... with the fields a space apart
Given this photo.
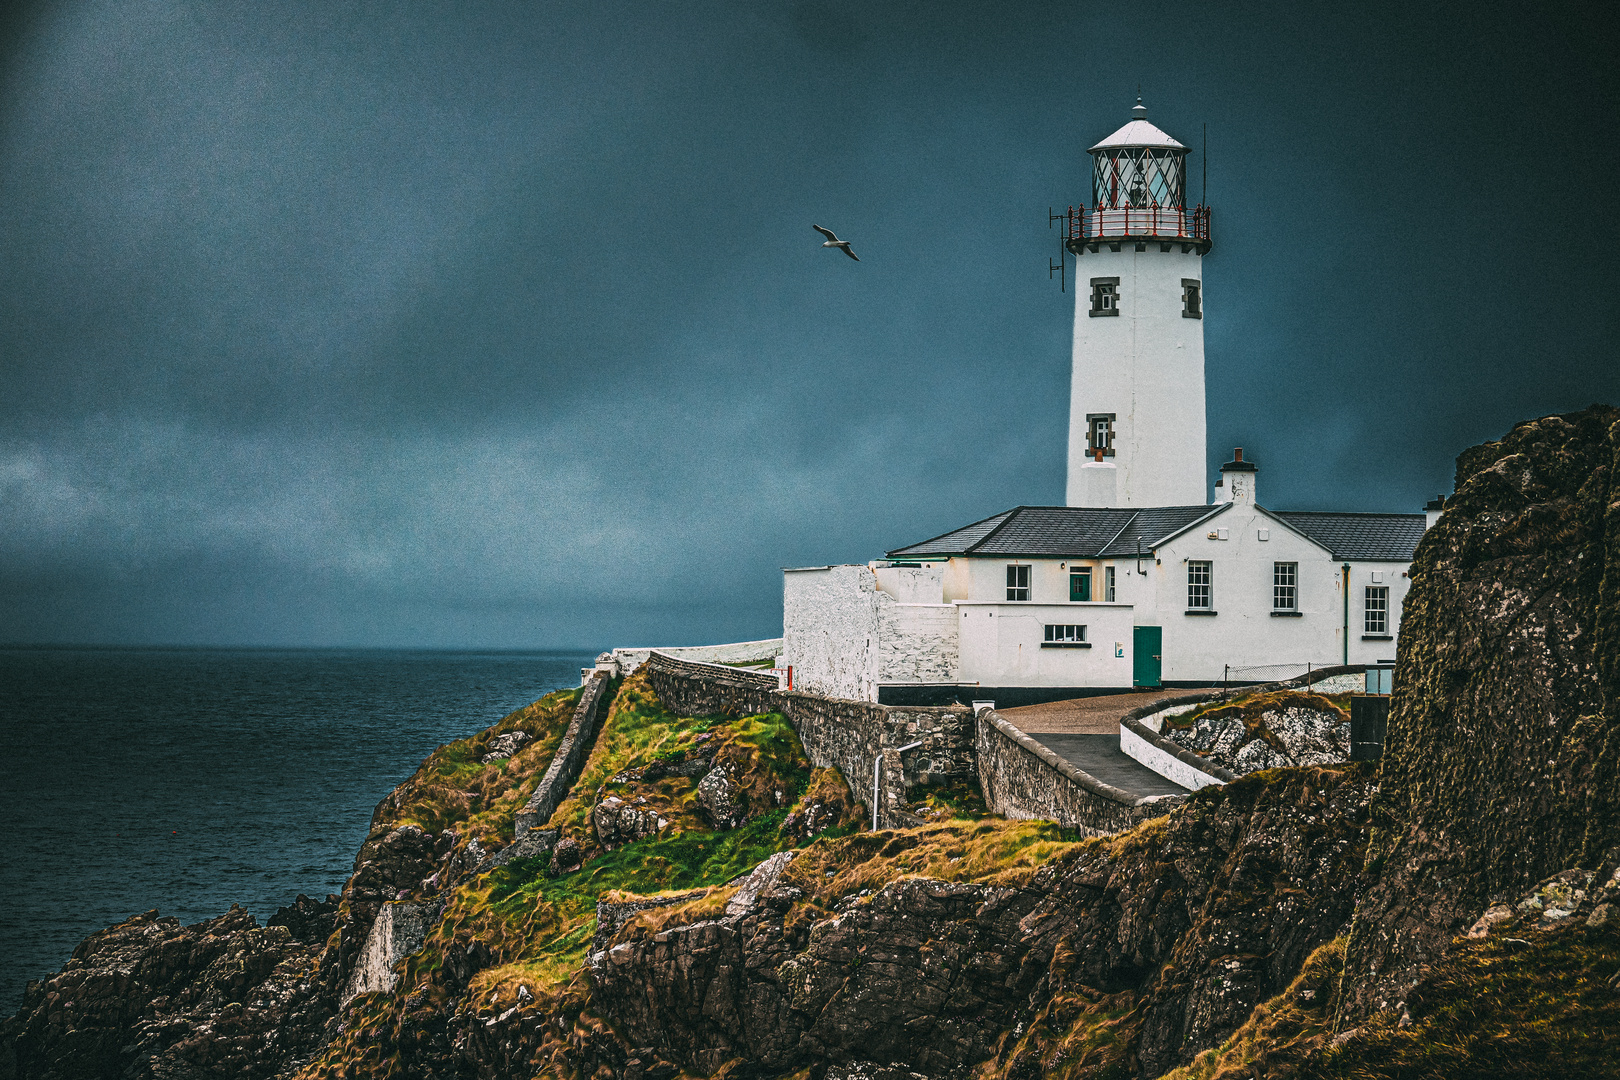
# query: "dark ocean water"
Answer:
x=187 y=780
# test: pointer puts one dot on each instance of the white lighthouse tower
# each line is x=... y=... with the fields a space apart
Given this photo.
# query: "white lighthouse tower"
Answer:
x=1136 y=404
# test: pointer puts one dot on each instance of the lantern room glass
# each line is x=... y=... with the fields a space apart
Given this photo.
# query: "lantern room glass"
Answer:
x=1139 y=176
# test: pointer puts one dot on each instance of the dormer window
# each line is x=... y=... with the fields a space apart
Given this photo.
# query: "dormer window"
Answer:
x=1104 y=296
x=1192 y=299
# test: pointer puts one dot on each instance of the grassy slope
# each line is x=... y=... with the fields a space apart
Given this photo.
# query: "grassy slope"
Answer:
x=536 y=927
x=452 y=789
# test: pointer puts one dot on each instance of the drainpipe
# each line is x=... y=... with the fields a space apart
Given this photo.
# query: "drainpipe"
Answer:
x=1345 y=570
x=877 y=776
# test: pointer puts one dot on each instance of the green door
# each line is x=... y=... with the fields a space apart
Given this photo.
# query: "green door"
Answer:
x=1147 y=642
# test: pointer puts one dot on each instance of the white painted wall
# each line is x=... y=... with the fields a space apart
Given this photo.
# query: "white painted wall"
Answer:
x=913 y=584
x=829 y=629
x=737 y=652
x=1146 y=366
x=1001 y=644
x=916 y=643
x=1166 y=765
x=1244 y=633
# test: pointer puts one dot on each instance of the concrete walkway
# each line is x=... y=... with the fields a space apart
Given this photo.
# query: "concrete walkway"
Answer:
x=1087 y=715
x=1085 y=733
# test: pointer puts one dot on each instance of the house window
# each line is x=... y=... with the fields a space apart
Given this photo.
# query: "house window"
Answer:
x=1198 y=585
x=1104 y=296
x=1192 y=299
x=1018 y=582
x=1099 y=434
x=1108 y=584
x=1065 y=637
x=1375 y=611
x=1080 y=583
x=1284 y=586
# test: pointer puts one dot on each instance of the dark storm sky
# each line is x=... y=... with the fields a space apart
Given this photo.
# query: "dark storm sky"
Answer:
x=503 y=325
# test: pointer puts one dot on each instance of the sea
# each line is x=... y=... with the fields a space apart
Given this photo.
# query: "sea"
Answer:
x=188 y=780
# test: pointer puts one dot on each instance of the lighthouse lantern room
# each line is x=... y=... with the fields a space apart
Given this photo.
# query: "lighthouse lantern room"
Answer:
x=1136 y=420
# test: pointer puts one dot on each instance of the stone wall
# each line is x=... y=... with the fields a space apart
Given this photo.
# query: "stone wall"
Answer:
x=570 y=756
x=736 y=652
x=1023 y=779
x=836 y=732
x=1139 y=729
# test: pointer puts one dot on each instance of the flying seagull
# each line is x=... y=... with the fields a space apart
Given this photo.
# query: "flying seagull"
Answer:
x=834 y=242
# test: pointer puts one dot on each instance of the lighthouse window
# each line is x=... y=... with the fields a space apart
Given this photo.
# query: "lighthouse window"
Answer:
x=1018 y=582
x=1099 y=434
x=1192 y=299
x=1104 y=296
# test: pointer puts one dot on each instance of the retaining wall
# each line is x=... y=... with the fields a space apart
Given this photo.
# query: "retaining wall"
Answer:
x=1139 y=729
x=1023 y=779
x=835 y=732
x=737 y=652
x=569 y=758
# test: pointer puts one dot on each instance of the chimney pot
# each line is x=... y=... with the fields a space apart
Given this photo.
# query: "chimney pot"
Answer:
x=1237 y=454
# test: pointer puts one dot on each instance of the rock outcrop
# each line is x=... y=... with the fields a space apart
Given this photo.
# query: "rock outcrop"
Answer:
x=1193 y=923
x=151 y=998
x=1275 y=730
x=1504 y=732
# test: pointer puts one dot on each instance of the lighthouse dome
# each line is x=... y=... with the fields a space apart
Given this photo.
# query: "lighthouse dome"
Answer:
x=1139 y=132
x=1140 y=167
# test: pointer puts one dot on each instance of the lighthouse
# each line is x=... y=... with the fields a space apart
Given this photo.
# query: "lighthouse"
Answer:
x=1136 y=400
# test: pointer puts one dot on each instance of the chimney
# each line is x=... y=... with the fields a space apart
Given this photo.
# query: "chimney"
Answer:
x=1237 y=480
x=1431 y=512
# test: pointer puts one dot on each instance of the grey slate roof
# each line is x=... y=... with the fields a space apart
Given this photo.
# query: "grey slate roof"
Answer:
x=1392 y=537
x=1086 y=532
x=1083 y=532
x=1155 y=523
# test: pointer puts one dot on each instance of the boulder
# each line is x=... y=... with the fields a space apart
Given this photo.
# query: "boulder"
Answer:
x=722 y=800
x=505 y=746
x=566 y=856
x=1311 y=736
x=617 y=822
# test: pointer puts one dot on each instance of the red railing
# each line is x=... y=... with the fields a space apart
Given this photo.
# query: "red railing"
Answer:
x=1168 y=222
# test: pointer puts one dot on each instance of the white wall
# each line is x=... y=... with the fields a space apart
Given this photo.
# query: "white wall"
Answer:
x=916 y=643
x=913 y=584
x=1244 y=633
x=1146 y=366
x=1363 y=650
x=738 y=652
x=829 y=629
x=1001 y=644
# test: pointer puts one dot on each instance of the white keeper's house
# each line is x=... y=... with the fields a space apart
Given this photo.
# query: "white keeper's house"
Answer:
x=1140 y=580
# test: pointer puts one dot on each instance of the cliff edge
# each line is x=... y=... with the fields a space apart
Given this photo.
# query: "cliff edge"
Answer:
x=1501 y=763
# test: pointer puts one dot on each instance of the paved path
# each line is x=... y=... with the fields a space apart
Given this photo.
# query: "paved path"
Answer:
x=1087 y=715
x=1101 y=756
x=1085 y=733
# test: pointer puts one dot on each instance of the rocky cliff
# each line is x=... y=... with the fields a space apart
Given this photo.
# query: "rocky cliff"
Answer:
x=1500 y=767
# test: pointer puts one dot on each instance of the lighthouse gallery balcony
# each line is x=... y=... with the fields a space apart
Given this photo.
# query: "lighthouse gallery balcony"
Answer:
x=1103 y=224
